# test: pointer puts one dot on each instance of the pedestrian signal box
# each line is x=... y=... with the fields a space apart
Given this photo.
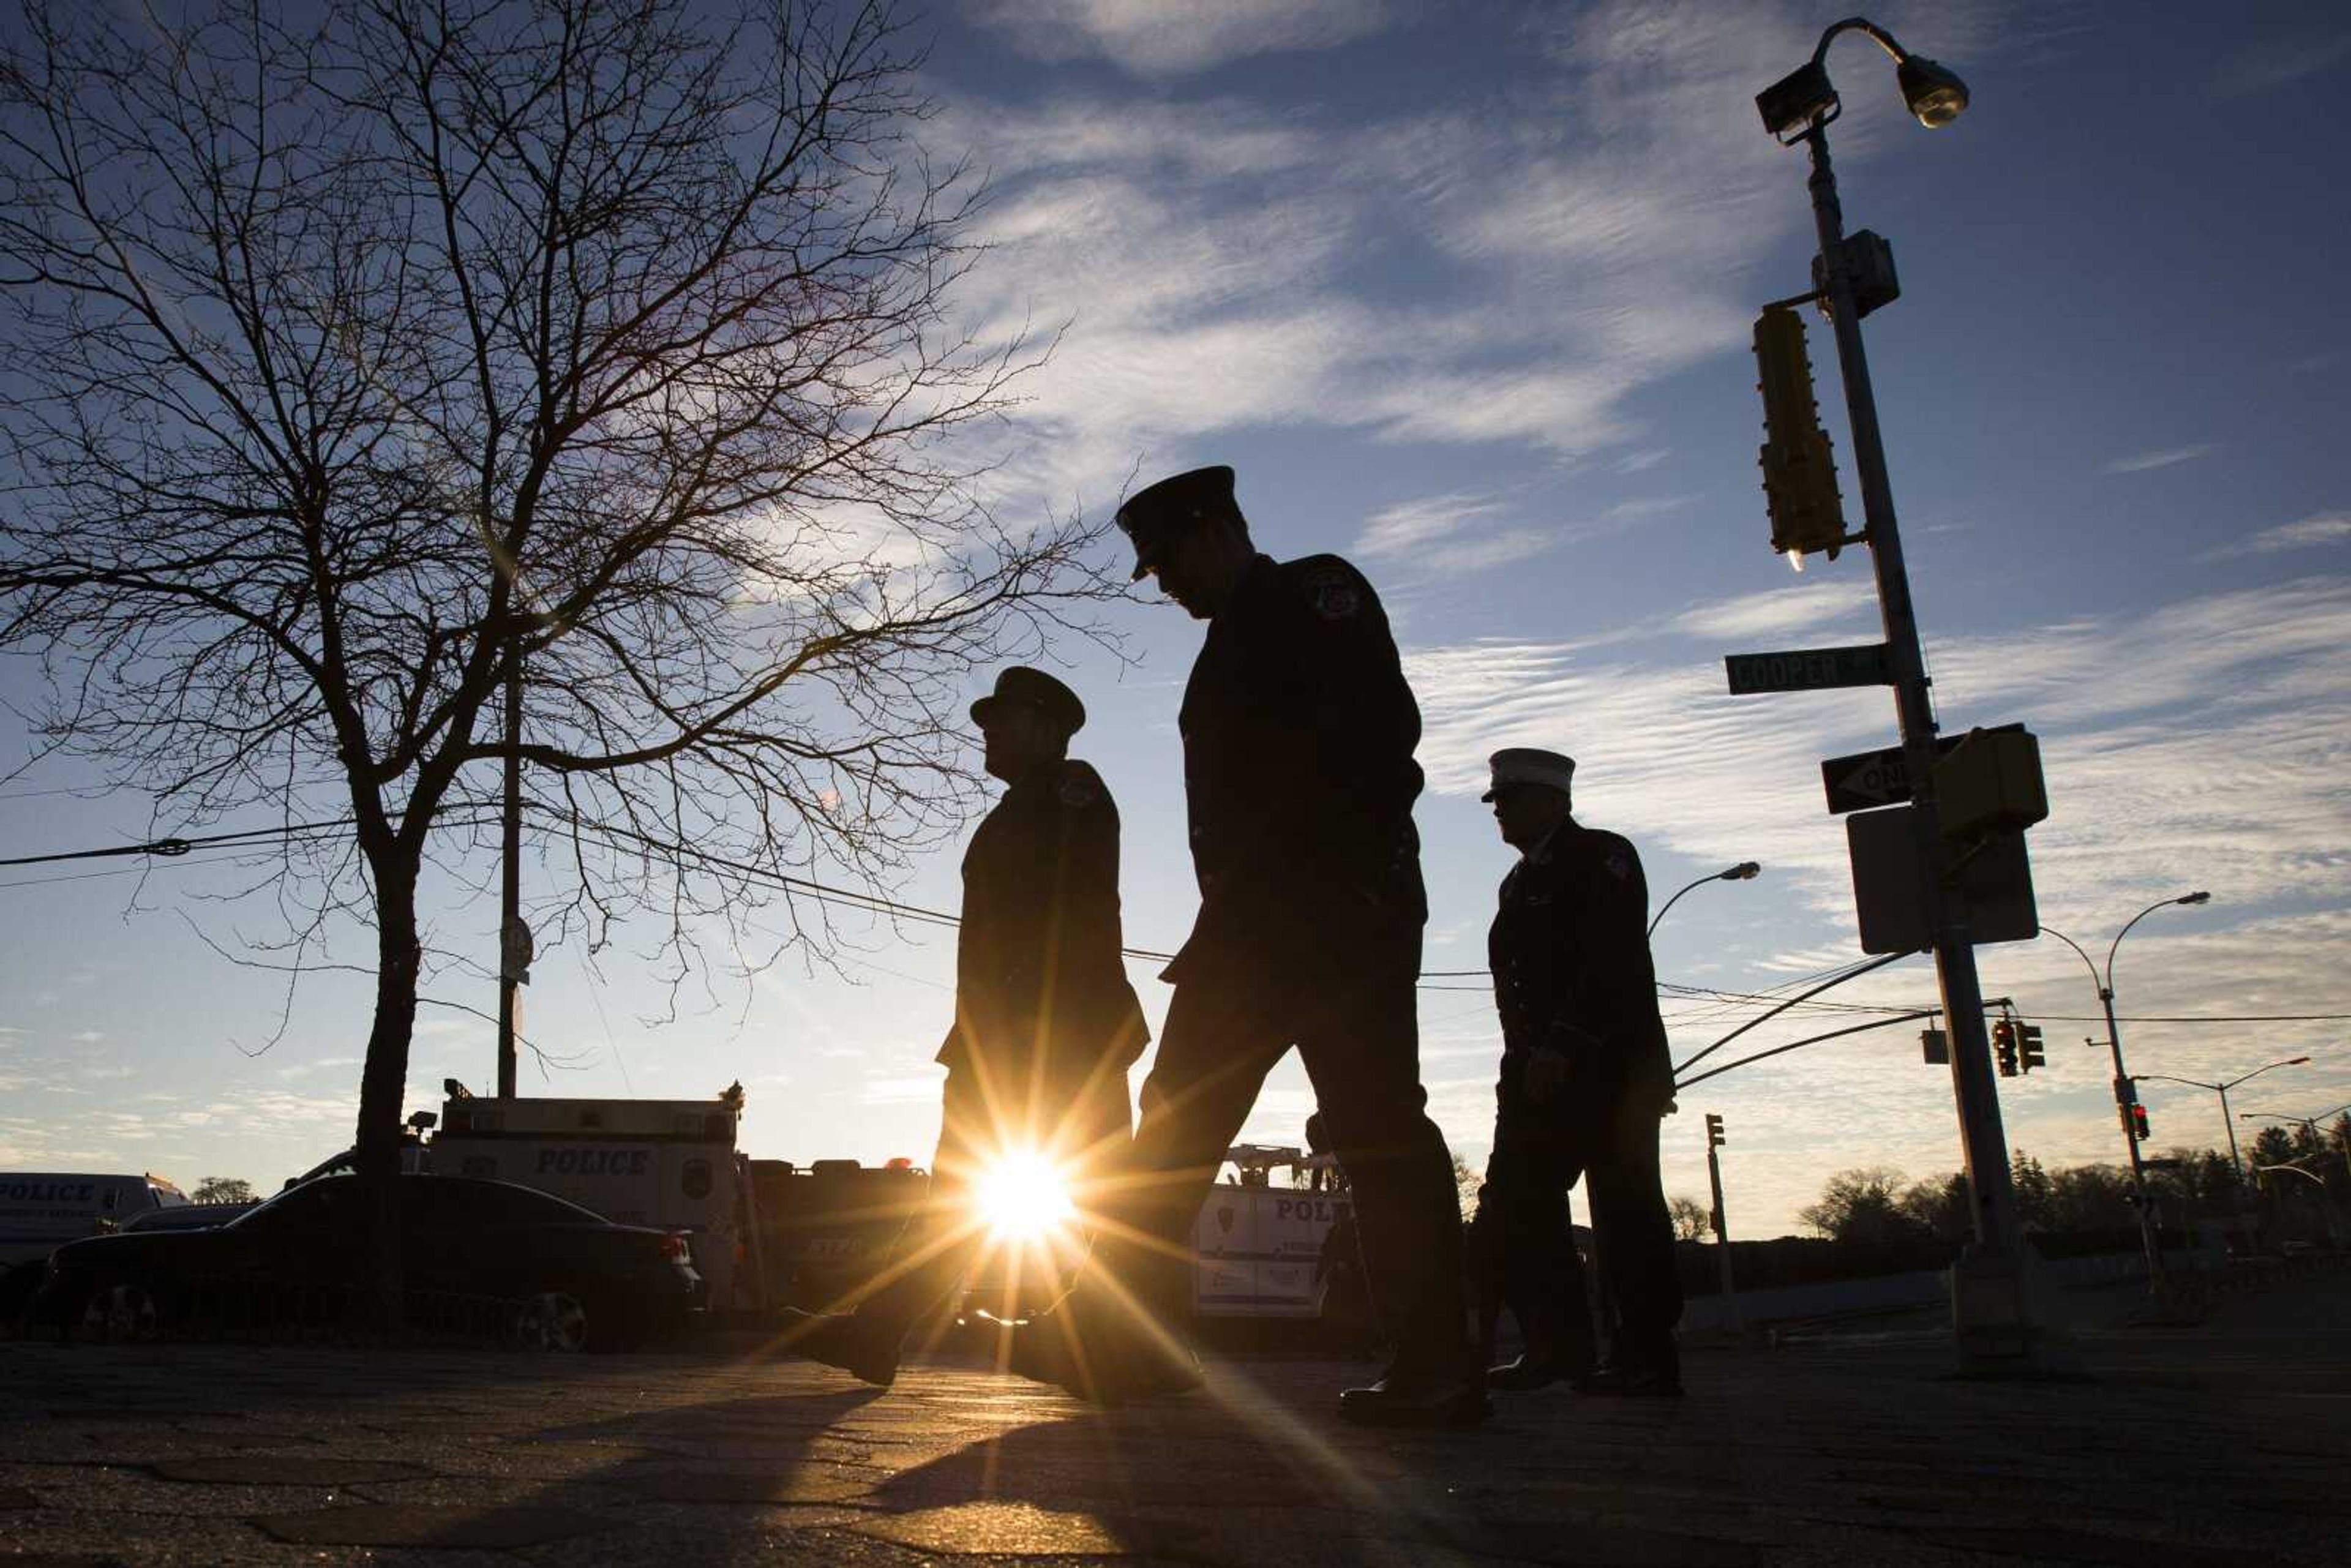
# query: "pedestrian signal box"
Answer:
x=1799 y=485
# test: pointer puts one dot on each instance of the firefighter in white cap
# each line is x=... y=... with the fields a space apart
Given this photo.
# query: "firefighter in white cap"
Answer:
x=1585 y=1078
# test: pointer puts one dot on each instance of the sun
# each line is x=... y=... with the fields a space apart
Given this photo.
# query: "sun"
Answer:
x=1023 y=1196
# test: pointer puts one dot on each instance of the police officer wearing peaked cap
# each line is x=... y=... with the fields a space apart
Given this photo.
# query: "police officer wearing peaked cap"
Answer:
x=1585 y=1078
x=1299 y=731
x=1046 y=1024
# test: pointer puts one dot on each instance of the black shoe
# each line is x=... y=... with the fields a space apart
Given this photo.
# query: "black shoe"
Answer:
x=865 y=1347
x=1418 y=1399
x=1079 y=1351
x=1635 y=1380
x=1532 y=1371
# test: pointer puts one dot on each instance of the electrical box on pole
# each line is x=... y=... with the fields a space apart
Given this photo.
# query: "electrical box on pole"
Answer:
x=1936 y=1046
x=1799 y=485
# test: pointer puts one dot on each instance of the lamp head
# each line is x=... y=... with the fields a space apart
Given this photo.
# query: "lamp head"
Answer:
x=1935 y=93
x=2297 y=1062
x=2197 y=897
x=1745 y=871
x=1800 y=100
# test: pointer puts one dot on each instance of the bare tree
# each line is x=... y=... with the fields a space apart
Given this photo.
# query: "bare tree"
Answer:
x=365 y=354
x=1691 y=1220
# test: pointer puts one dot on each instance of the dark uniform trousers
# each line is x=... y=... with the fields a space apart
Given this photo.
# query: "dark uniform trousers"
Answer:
x=1299 y=731
x=1046 y=1023
x=1570 y=955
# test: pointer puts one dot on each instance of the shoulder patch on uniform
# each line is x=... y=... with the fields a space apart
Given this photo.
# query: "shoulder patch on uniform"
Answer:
x=1619 y=861
x=1333 y=593
x=1079 y=791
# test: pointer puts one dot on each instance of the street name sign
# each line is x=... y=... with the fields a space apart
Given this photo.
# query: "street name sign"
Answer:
x=1807 y=669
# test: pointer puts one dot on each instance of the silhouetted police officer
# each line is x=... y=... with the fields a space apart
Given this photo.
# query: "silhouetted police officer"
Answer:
x=1046 y=1024
x=1299 y=731
x=1585 y=1075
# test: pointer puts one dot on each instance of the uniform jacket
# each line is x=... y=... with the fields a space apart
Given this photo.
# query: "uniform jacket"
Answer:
x=1298 y=776
x=1570 y=953
x=1039 y=981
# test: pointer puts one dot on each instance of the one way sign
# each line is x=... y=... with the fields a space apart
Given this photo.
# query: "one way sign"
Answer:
x=1871 y=779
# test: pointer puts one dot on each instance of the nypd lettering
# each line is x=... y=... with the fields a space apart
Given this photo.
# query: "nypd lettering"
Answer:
x=583 y=1160
x=47 y=1191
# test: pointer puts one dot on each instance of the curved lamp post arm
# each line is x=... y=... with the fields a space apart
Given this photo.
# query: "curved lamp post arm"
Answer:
x=1745 y=871
x=2197 y=897
x=2256 y=1072
x=2087 y=961
x=1868 y=29
x=2191 y=1082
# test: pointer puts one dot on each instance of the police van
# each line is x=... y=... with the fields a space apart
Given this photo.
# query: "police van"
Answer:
x=41 y=1211
x=668 y=1164
x=1263 y=1250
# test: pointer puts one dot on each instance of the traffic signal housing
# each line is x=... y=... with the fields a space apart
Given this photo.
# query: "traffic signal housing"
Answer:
x=1799 y=485
x=2004 y=1046
x=1714 y=1138
x=2028 y=1048
x=2138 y=1123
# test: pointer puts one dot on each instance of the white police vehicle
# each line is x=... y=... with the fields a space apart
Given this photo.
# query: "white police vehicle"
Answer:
x=668 y=1164
x=1260 y=1246
x=42 y=1210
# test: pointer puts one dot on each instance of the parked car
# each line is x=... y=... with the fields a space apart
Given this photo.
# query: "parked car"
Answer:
x=189 y=1217
x=475 y=1254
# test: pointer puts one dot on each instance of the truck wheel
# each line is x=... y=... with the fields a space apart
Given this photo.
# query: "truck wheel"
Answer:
x=554 y=1321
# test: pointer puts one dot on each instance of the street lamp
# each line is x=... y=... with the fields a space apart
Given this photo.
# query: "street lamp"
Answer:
x=2126 y=1096
x=2310 y=1122
x=2222 y=1090
x=1745 y=871
x=1990 y=1291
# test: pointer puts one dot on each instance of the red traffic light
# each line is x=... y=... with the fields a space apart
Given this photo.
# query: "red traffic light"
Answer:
x=2138 y=1123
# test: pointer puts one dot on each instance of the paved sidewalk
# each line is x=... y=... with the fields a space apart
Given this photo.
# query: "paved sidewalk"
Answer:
x=2230 y=1443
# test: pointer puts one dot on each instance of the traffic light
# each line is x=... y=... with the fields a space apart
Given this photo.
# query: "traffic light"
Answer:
x=2004 y=1046
x=2028 y=1048
x=1799 y=485
x=2138 y=1123
x=1714 y=1138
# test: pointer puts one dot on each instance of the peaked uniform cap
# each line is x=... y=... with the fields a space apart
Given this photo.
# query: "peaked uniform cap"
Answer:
x=1021 y=687
x=1174 y=505
x=1525 y=765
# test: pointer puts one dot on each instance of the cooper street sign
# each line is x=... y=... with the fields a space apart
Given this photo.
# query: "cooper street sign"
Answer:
x=1807 y=669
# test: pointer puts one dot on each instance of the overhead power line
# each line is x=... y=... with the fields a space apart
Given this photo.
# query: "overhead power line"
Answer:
x=179 y=850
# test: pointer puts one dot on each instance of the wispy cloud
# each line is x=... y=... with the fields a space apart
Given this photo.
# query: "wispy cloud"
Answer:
x=1450 y=534
x=2324 y=529
x=1152 y=37
x=2165 y=458
x=2269 y=66
x=1818 y=602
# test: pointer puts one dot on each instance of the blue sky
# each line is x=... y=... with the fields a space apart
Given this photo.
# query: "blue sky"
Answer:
x=1463 y=291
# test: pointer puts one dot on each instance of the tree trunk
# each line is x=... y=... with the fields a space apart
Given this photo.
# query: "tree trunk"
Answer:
x=383 y=1085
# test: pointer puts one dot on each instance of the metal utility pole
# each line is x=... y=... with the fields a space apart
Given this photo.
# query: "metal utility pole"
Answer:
x=514 y=941
x=2127 y=1086
x=2228 y=1121
x=1989 y=1301
x=1714 y=1140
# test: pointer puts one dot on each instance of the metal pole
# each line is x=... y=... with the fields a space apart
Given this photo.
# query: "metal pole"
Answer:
x=2230 y=1123
x=1722 y=1235
x=510 y=890
x=2126 y=1095
x=1999 y=1256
